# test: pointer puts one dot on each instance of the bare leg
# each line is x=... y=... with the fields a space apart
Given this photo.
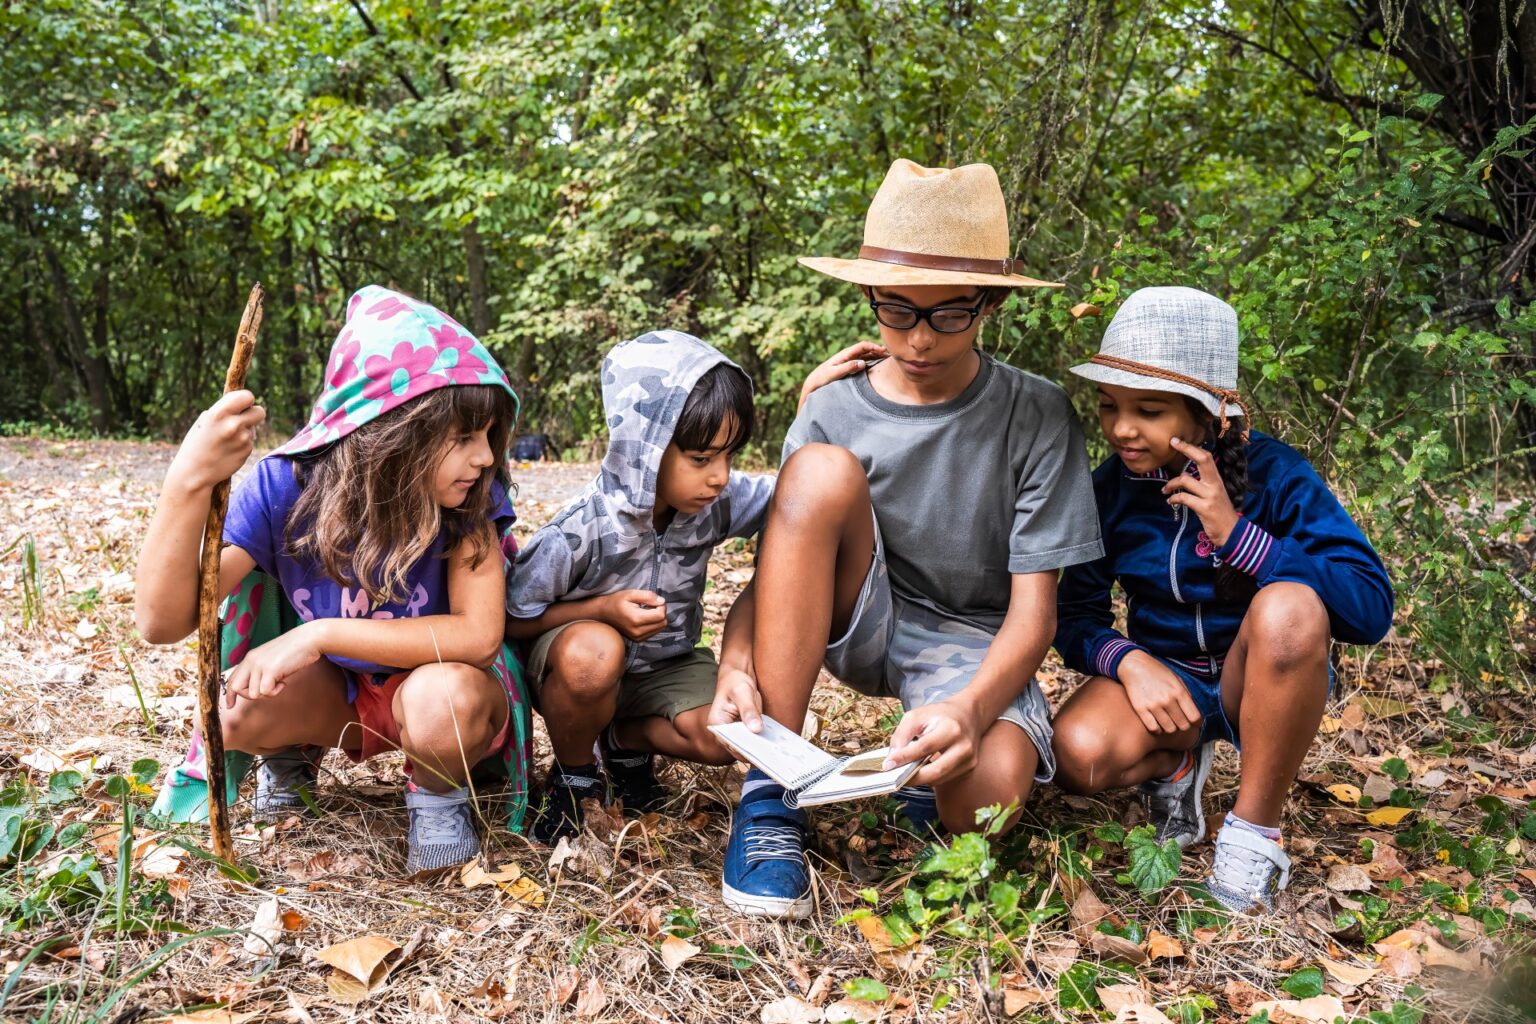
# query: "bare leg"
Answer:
x=1101 y=744
x=581 y=689
x=815 y=553
x=312 y=708
x=448 y=714
x=686 y=737
x=1275 y=685
x=1004 y=774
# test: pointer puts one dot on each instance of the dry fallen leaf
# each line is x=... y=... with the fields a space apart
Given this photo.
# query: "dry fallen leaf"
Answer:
x=162 y=861
x=565 y=981
x=213 y=1015
x=1117 y=948
x=1083 y=309
x=1163 y=947
x=1318 y=1009
x=265 y=928
x=1344 y=793
x=674 y=951
x=1117 y=997
x=1141 y=1013
x=361 y=966
x=592 y=999
x=1241 y=997
x=791 y=1010
x=1018 y=994
x=1348 y=974
x=1388 y=815
x=1056 y=953
x=859 y=1011
x=1087 y=911
x=1349 y=878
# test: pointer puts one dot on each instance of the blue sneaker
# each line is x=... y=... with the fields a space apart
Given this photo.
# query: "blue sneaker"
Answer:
x=765 y=870
x=918 y=811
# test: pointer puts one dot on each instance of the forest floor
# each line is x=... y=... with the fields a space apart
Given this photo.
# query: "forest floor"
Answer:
x=1412 y=833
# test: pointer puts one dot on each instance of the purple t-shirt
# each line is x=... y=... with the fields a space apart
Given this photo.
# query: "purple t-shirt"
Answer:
x=257 y=521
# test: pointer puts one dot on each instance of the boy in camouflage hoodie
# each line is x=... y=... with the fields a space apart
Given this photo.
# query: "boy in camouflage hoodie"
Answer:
x=609 y=592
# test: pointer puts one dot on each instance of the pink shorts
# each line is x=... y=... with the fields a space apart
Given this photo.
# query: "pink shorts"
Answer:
x=375 y=704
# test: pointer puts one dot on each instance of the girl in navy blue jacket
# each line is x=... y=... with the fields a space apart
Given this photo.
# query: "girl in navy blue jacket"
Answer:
x=1238 y=565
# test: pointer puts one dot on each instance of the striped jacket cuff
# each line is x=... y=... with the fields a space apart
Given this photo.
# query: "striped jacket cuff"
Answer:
x=1107 y=659
x=1248 y=549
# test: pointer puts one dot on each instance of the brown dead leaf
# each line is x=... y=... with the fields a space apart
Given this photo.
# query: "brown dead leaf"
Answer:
x=1349 y=878
x=1020 y=992
x=265 y=929
x=592 y=999
x=1083 y=309
x=564 y=986
x=853 y=1011
x=359 y=966
x=213 y=1015
x=675 y=951
x=162 y=861
x=790 y=1010
x=293 y=921
x=1141 y=1013
x=1435 y=953
x=1317 y=1010
x=1386 y=865
x=1163 y=947
x=1114 y=947
x=1056 y=953
x=1117 y=997
x=1087 y=911
x=1348 y=974
x=1241 y=997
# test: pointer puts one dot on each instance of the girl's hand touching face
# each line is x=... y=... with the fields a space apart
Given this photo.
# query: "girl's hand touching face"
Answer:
x=219 y=442
x=1205 y=495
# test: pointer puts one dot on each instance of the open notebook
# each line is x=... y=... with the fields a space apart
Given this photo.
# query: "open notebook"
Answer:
x=811 y=775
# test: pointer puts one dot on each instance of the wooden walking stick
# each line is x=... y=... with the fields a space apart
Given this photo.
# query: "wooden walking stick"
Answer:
x=209 y=650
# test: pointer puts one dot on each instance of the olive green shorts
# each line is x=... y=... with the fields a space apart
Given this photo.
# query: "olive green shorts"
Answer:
x=670 y=688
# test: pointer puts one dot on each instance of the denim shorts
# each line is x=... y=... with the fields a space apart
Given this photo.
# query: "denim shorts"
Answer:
x=1205 y=690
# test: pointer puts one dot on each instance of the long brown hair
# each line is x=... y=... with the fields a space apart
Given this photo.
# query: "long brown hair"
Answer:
x=366 y=514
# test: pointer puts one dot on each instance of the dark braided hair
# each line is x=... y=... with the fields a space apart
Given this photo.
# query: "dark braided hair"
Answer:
x=1230 y=452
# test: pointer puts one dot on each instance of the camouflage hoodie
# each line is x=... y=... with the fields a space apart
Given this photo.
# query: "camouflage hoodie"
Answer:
x=605 y=541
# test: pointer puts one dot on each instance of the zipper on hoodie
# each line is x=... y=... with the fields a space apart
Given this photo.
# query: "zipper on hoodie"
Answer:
x=1173 y=554
x=1200 y=631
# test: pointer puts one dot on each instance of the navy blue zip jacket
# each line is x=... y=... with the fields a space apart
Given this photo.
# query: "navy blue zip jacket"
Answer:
x=1292 y=528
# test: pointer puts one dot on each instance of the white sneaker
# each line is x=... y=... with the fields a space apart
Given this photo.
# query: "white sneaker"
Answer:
x=1248 y=869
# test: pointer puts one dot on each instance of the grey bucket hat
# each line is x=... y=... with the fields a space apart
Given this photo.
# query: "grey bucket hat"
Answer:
x=1185 y=333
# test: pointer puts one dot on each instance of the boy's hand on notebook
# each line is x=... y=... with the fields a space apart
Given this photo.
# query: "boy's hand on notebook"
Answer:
x=1157 y=695
x=637 y=614
x=736 y=699
x=946 y=733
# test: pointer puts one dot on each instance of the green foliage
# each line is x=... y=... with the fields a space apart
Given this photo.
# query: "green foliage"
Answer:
x=1152 y=867
x=562 y=176
x=53 y=873
x=1305 y=983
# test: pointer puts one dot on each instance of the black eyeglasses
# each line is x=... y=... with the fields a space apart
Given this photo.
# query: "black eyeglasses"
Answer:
x=943 y=319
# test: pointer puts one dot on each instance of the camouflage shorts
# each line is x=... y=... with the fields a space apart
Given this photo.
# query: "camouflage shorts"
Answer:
x=899 y=648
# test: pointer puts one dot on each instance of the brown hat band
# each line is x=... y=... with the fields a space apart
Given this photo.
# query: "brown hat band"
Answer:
x=926 y=261
x=1147 y=370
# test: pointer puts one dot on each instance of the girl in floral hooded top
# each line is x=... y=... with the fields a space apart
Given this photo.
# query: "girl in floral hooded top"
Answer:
x=382 y=522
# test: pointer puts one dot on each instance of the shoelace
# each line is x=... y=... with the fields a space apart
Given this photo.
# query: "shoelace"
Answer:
x=1256 y=871
x=438 y=825
x=288 y=771
x=772 y=842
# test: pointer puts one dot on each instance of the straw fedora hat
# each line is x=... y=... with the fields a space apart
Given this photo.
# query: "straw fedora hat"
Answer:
x=934 y=225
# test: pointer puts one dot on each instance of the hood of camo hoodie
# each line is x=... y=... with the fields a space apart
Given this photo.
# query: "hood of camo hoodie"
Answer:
x=605 y=540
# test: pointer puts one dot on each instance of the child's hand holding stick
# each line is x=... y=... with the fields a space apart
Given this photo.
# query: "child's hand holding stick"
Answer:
x=209 y=653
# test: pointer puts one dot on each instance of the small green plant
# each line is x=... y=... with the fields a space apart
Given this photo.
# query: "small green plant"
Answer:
x=32 y=611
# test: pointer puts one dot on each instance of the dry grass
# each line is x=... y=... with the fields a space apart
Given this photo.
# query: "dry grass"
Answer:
x=594 y=949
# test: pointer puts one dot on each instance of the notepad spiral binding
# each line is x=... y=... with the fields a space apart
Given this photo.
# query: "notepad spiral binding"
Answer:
x=809 y=779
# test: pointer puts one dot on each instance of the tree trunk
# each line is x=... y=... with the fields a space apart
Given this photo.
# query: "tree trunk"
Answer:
x=479 y=298
x=92 y=368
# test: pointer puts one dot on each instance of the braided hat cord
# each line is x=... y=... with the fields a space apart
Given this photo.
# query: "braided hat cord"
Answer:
x=1225 y=395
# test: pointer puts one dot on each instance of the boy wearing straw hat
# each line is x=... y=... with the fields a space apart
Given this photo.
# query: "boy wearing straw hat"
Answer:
x=922 y=512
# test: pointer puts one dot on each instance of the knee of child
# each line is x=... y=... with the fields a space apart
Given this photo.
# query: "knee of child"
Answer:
x=587 y=660
x=242 y=726
x=448 y=699
x=823 y=470
x=1083 y=751
x=1288 y=626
